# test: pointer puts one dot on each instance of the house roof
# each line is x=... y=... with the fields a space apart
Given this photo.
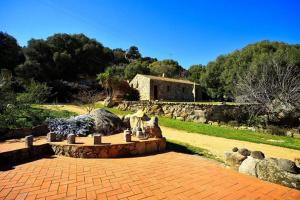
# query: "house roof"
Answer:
x=159 y=78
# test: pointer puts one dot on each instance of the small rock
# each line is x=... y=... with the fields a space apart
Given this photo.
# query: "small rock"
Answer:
x=180 y=118
x=244 y=152
x=258 y=155
x=235 y=149
x=234 y=160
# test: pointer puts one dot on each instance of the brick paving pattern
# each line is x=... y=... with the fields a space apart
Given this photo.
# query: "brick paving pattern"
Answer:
x=164 y=176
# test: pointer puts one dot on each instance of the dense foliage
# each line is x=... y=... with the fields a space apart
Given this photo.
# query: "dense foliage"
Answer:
x=222 y=75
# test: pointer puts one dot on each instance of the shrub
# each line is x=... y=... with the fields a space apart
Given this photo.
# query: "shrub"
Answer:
x=81 y=125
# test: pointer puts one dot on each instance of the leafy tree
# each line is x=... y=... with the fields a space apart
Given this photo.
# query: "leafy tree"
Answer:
x=133 y=53
x=221 y=75
x=110 y=79
x=119 y=56
x=35 y=93
x=10 y=52
x=195 y=72
x=169 y=68
x=136 y=67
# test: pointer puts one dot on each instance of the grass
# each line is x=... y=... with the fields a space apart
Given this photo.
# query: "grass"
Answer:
x=174 y=145
x=206 y=102
x=231 y=133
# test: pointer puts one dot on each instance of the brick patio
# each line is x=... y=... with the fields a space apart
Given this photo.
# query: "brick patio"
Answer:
x=164 y=176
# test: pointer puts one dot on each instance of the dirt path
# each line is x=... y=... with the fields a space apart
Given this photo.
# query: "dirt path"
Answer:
x=216 y=145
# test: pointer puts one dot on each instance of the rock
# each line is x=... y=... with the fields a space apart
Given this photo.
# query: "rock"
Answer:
x=152 y=128
x=248 y=166
x=258 y=155
x=180 y=118
x=234 y=160
x=106 y=122
x=126 y=121
x=288 y=166
x=244 y=152
x=71 y=139
x=297 y=162
x=108 y=102
x=269 y=170
x=235 y=149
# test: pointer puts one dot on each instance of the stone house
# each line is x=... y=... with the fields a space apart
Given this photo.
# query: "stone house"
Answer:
x=162 y=88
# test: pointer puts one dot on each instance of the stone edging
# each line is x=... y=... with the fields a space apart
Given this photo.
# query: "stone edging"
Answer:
x=110 y=151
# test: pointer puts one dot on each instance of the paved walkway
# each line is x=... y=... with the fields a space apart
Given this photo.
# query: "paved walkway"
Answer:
x=218 y=145
x=164 y=176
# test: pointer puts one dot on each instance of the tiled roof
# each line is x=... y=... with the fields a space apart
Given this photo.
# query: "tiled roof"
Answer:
x=160 y=78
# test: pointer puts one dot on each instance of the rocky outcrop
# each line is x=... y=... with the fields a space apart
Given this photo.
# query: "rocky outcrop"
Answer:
x=254 y=163
x=106 y=122
x=275 y=170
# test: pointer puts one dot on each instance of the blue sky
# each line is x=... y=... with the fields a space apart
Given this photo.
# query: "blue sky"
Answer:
x=189 y=31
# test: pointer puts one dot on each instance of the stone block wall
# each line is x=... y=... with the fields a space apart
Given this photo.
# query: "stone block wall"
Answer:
x=202 y=113
x=6 y=134
x=110 y=151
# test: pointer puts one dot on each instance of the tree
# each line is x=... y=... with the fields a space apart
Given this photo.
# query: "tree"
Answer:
x=272 y=87
x=169 y=68
x=88 y=99
x=110 y=79
x=221 y=75
x=136 y=67
x=133 y=53
x=195 y=72
x=10 y=52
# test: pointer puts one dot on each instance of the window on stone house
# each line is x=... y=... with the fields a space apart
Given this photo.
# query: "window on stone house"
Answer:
x=183 y=89
x=168 y=88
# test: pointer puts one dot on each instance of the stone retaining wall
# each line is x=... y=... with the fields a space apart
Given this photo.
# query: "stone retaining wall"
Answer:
x=110 y=151
x=20 y=155
x=202 y=113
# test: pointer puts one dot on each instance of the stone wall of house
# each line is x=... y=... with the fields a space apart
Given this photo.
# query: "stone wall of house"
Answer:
x=174 y=91
x=6 y=134
x=202 y=113
x=142 y=84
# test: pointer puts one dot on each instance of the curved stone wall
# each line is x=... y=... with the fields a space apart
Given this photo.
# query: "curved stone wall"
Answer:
x=136 y=148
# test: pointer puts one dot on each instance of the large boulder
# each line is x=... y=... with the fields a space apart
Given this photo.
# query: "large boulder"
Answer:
x=248 y=166
x=106 y=122
x=234 y=159
x=274 y=170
